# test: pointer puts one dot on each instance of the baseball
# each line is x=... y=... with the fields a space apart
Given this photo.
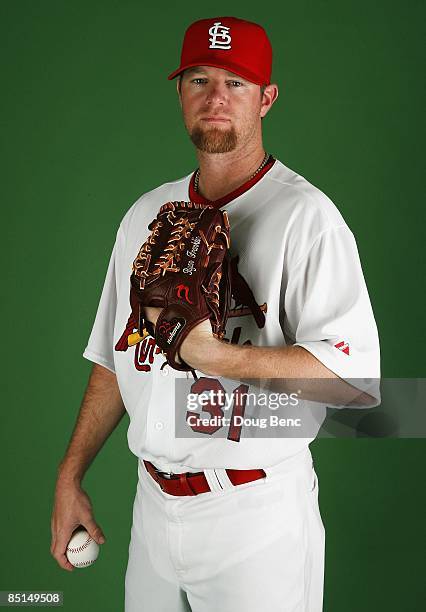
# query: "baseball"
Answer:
x=82 y=550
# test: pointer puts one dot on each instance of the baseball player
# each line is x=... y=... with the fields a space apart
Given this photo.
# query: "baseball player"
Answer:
x=224 y=522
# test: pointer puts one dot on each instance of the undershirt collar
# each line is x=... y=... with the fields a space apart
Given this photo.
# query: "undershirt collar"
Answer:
x=194 y=196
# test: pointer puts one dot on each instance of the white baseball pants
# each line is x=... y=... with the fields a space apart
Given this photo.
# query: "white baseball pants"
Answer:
x=254 y=547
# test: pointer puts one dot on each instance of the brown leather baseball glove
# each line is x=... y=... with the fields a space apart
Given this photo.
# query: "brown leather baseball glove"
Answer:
x=183 y=268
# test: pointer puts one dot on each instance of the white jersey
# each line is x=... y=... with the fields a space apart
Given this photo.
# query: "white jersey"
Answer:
x=301 y=262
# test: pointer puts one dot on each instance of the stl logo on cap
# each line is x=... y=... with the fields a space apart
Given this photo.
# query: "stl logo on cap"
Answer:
x=248 y=50
x=219 y=36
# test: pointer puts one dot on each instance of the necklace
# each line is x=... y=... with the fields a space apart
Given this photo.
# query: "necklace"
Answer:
x=262 y=165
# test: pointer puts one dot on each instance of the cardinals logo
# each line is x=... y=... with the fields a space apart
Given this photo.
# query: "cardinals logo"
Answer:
x=145 y=347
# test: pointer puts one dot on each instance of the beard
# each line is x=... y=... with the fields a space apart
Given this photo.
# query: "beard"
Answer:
x=214 y=140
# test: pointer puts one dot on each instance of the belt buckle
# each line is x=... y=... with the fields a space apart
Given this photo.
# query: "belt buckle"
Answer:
x=159 y=477
x=167 y=475
x=183 y=478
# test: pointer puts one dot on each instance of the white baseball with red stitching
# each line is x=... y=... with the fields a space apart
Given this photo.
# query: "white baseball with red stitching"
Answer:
x=82 y=550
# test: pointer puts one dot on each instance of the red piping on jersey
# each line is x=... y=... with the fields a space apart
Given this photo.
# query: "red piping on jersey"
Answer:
x=198 y=199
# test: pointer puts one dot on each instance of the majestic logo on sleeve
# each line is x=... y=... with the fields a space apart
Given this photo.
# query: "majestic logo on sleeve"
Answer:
x=342 y=346
x=219 y=36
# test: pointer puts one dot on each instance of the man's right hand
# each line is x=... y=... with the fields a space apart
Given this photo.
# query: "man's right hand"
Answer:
x=101 y=410
x=72 y=509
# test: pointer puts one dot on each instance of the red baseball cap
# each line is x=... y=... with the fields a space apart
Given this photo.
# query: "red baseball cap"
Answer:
x=240 y=46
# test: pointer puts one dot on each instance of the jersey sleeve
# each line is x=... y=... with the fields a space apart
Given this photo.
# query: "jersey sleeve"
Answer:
x=327 y=308
x=100 y=345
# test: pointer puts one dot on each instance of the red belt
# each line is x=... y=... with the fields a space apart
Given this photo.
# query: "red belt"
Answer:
x=190 y=483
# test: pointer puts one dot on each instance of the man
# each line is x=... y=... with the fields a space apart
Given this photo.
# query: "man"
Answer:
x=220 y=523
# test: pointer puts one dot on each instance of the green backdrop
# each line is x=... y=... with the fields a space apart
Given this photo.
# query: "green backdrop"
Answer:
x=89 y=122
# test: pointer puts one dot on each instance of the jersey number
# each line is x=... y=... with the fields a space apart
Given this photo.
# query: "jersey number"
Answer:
x=239 y=398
